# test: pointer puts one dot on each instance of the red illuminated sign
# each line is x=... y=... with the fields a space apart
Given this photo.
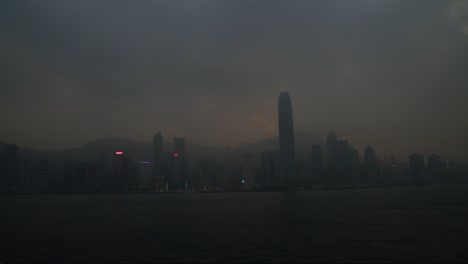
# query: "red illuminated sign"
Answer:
x=118 y=153
x=176 y=154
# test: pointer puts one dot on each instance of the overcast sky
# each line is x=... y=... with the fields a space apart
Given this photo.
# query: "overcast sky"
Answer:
x=392 y=74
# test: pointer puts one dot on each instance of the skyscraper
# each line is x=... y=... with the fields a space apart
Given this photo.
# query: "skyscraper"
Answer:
x=331 y=158
x=270 y=168
x=144 y=175
x=371 y=167
x=179 y=147
x=343 y=163
x=206 y=173
x=435 y=169
x=118 y=180
x=179 y=164
x=247 y=171
x=286 y=138
x=316 y=165
x=9 y=167
x=158 y=180
x=157 y=150
x=417 y=167
x=355 y=172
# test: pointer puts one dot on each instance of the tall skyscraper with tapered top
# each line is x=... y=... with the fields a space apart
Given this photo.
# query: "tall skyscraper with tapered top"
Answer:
x=157 y=159
x=286 y=139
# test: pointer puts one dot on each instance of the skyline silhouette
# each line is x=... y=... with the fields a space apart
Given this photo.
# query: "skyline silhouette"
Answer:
x=264 y=131
x=112 y=169
x=388 y=74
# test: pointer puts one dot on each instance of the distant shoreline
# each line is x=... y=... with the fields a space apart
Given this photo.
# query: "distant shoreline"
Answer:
x=322 y=188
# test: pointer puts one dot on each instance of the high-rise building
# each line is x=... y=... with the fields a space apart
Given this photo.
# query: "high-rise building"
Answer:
x=77 y=176
x=316 y=165
x=9 y=167
x=331 y=158
x=343 y=163
x=165 y=178
x=248 y=171
x=124 y=173
x=301 y=175
x=179 y=147
x=41 y=175
x=157 y=153
x=436 y=169
x=394 y=172
x=174 y=171
x=355 y=167
x=286 y=139
x=177 y=179
x=118 y=179
x=371 y=167
x=144 y=175
x=180 y=165
x=270 y=168
x=416 y=167
x=103 y=169
x=369 y=156
x=206 y=174
x=73 y=175
x=185 y=175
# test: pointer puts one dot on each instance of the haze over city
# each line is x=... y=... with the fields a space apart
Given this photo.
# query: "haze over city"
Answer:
x=255 y=131
x=390 y=74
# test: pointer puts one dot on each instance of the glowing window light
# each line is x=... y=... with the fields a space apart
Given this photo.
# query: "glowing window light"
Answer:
x=176 y=154
x=118 y=153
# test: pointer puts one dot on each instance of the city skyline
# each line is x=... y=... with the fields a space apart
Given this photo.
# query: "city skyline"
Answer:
x=228 y=131
x=340 y=154
x=113 y=170
x=285 y=145
x=167 y=143
x=390 y=74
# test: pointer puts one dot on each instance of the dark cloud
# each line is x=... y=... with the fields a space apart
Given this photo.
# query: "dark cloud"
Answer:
x=386 y=73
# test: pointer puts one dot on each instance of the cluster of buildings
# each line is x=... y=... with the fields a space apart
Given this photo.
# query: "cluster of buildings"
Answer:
x=334 y=165
x=343 y=166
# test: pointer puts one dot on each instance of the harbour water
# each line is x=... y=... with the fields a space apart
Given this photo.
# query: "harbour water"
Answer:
x=405 y=224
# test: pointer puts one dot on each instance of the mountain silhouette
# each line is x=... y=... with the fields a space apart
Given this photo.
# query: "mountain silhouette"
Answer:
x=142 y=151
x=139 y=151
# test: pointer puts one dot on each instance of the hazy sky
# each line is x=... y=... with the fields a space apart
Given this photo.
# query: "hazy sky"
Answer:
x=392 y=74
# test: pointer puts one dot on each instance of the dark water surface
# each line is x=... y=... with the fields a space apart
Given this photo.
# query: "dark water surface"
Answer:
x=407 y=224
